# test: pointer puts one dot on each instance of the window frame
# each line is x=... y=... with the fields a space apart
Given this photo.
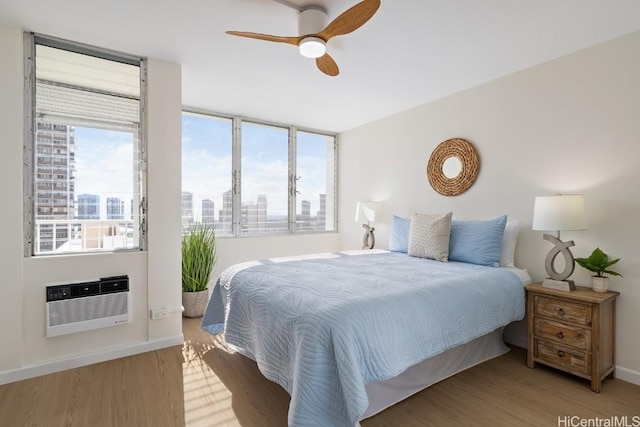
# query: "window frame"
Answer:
x=30 y=40
x=236 y=173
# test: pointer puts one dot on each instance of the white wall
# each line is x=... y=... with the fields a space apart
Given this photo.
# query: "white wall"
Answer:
x=571 y=125
x=164 y=195
x=154 y=274
x=11 y=94
x=234 y=250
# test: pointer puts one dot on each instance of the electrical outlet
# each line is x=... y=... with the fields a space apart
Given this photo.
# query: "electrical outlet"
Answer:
x=159 y=313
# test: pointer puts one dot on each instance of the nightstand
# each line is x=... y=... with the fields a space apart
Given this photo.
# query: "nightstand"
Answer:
x=572 y=331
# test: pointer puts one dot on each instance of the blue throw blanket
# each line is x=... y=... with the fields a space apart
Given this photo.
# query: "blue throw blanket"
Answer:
x=324 y=327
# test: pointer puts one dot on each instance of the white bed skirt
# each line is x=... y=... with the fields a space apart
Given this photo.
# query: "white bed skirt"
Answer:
x=384 y=394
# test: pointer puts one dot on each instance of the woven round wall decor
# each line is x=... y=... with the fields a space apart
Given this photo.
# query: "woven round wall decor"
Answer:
x=470 y=165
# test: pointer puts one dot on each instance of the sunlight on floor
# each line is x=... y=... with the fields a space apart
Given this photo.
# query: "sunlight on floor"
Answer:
x=206 y=398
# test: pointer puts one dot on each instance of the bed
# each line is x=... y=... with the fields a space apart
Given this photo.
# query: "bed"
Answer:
x=348 y=334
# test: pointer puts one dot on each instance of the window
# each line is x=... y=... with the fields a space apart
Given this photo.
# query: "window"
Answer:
x=84 y=156
x=252 y=178
x=264 y=178
x=207 y=144
x=315 y=181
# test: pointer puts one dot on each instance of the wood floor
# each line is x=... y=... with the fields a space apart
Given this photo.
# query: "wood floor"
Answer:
x=203 y=384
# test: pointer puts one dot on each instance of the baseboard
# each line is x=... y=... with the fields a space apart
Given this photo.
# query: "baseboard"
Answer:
x=87 y=359
x=628 y=375
x=623 y=374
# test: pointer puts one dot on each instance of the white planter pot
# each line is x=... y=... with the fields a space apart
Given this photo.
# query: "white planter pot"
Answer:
x=600 y=284
x=194 y=303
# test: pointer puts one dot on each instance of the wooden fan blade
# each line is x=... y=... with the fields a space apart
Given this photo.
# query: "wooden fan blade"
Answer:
x=350 y=20
x=327 y=65
x=278 y=39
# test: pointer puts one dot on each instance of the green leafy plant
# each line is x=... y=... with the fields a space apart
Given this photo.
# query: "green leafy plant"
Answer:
x=599 y=263
x=198 y=257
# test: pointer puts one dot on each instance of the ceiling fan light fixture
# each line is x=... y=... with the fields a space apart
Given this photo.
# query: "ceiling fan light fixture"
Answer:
x=314 y=33
x=312 y=47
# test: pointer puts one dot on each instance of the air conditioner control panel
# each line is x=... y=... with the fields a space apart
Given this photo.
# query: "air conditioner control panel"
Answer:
x=77 y=290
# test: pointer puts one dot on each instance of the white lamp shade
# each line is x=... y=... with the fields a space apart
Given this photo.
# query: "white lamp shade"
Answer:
x=561 y=212
x=367 y=210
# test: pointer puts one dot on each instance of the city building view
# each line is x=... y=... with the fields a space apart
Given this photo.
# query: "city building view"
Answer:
x=115 y=208
x=54 y=183
x=64 y=219
x=88 y=206
x=255 y=215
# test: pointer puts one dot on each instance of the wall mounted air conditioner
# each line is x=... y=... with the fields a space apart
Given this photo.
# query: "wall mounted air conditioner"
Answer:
x=80 y=307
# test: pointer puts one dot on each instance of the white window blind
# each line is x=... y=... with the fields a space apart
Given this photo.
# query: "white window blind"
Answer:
x=56 y=104
x=88 y=90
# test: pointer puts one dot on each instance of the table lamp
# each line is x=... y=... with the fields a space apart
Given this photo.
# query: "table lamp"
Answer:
x=562 y=212
x=367 y=210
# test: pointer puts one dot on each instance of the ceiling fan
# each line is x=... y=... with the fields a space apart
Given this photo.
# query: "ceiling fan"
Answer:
x=313 y=38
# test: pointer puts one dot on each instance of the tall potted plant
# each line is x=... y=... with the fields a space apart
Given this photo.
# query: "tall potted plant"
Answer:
x=198 y=260
x=599 y=263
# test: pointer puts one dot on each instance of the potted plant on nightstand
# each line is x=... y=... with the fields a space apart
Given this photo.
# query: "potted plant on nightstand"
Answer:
x=198 y=259
x=599 y=263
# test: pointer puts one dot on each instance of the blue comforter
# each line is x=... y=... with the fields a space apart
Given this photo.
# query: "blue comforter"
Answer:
x=324 y=327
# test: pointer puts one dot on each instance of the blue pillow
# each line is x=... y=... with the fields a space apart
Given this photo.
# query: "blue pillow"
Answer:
x=477 y=242
x=399 y=238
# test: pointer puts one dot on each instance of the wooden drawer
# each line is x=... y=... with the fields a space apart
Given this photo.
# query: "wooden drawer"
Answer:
x=565 y=358
x=567 y=311
x=572 y=331
x=563 y=333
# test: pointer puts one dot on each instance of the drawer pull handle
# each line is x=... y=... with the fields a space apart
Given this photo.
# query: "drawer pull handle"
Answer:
x=560 y=353
x=560 y=335
x=560 y=312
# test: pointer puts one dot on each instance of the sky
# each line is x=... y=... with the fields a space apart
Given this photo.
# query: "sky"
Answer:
x=104 y=153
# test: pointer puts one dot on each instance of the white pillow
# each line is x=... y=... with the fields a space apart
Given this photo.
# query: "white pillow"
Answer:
x=509 y=241
x=429 y=236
